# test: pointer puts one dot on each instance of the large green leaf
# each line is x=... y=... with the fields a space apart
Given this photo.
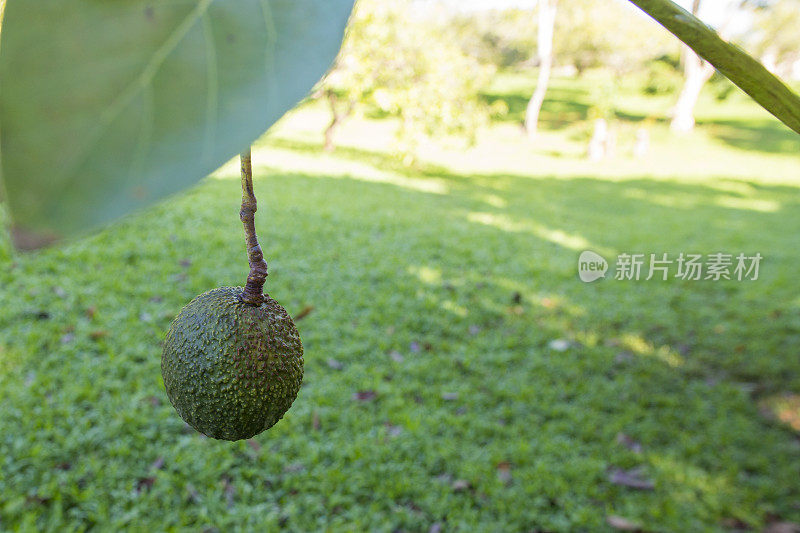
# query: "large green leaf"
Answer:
x=733 y=62
x=109 y=105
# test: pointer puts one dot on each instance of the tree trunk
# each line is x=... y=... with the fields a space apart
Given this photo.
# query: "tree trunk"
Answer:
x=329 y=131
x=336 y=120
x=696 y=72
x=547 y=22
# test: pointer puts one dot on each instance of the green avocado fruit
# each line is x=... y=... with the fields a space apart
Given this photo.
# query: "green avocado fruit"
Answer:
x=231 y=369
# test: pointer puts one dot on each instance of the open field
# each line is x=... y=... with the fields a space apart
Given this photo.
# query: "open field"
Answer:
x=434 y=390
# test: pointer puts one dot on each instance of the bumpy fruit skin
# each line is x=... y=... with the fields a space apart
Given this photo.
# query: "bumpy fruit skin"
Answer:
x=230 y=369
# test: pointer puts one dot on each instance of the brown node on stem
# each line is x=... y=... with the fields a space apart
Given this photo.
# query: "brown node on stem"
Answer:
x=253 y=293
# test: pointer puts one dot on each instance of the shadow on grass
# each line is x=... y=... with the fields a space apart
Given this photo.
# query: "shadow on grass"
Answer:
x=558 y=111
x=565 y=106
x=764 y=135
x=647 y=216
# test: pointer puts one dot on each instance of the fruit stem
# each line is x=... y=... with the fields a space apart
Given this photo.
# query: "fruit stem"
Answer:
x=254 y=289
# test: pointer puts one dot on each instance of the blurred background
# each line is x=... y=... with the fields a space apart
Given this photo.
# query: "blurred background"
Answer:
x=422 y=213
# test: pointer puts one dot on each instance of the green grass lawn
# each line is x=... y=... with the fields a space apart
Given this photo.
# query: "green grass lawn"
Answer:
x=434 y=390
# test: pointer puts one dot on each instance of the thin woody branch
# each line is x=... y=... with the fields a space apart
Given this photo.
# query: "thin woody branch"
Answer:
x=254 y=288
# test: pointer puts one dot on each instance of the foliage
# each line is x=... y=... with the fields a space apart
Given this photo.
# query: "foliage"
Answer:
x=776 y=38
x=504 y=38
x=607 y=33
x=110 y=106
x=588 y=35
x=663 y=76
x=434 y=393
x=403 y=61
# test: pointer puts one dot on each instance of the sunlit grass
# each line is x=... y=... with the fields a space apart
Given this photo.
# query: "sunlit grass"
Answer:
x=785 y=408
